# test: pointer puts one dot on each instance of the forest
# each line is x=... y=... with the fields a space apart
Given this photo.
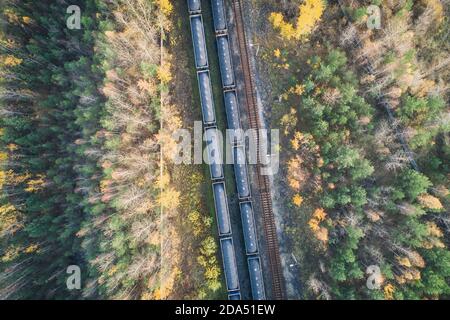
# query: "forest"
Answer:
x=84 y=179
x=364 y=118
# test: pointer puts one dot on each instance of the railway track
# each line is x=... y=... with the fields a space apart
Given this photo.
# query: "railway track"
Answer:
x=263 y=181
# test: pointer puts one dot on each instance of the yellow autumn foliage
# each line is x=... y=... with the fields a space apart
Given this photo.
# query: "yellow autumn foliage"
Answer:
x=36 y=184
x=11 y=16
x=195 y=219
x=313 y=225
x=169 y=198
x=163 y=180
x=430 y=202
x=12 y=147
x=166 y=7
x=298 y=135
x=296 y=141
x=113 y=270
x=156 y=295
x=2 y=179
x=319 y=214
x=434 y=230
x=404 y=261
x=26 y=20
x=164 y=73
x=9 y=219
x=31 y=248
x=294 y=184
x=277 y=53
x=388 y=291
x=289 y=121
x=11 y=61
x=433 y=243
x=321 y=233
x=297 y=200
x=299 y=89
x=294 y=180
x=14 y=178
x=6 y=209
x=10 y=254
x=310 y=12
x=212 y=272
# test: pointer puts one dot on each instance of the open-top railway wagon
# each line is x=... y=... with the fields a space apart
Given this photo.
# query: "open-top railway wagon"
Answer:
x=248 y=227
x=219 y=17
x=206 y=97
x=229 y=264
x=199 y=42
x=225 y=62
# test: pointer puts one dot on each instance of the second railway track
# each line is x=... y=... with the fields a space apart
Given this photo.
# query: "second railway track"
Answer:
x=263 y=181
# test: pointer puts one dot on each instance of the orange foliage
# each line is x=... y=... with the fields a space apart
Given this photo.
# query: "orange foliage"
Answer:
x=389 y=290
x=319 y=215
x=321 y=233
x=430 y=202
x=433 y=230
x=11 y=61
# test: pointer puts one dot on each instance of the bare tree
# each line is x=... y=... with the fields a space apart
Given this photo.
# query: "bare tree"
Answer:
x=319 y=288
x=397 y=161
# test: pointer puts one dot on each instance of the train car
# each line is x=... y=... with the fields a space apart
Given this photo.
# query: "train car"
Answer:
x=194 y=6
x=219 y=16
x=256 y=278
x=240 y=172
x=199 y=42
x=234 y=296
x=221 y=205
x=213 y=147
x=233 y=119
x=229 y=264
x=206 y=97
x=249 y=227
x=225 y=62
